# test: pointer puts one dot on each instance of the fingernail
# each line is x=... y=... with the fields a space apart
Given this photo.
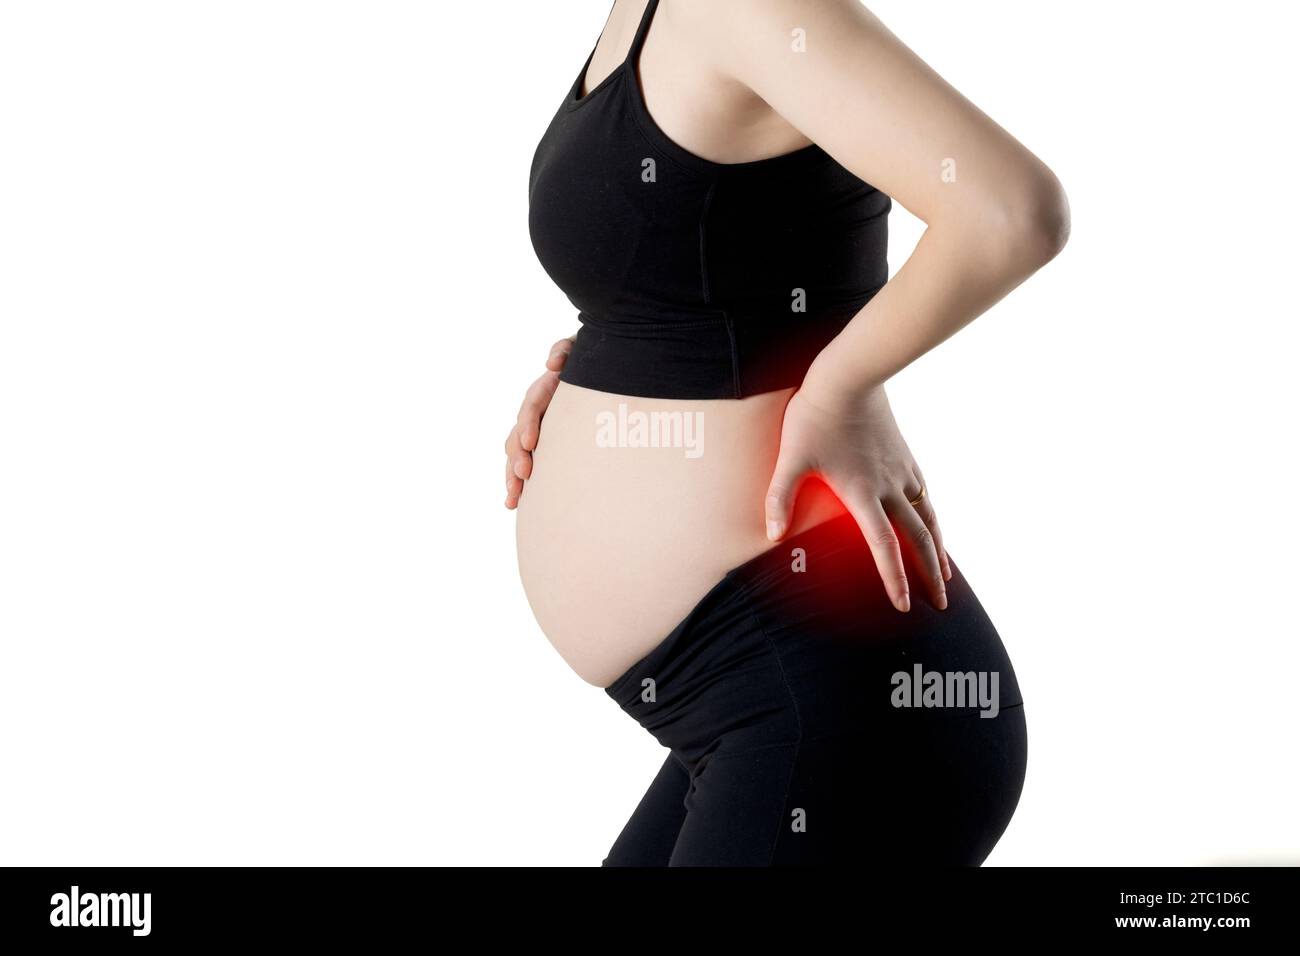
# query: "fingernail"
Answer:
x=904 y=603
x=942 y=603
x=774 y=529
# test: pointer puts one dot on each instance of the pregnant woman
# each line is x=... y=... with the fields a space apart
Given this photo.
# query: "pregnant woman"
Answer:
x=719 y=522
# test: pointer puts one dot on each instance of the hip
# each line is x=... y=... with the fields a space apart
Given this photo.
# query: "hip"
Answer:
x=789 y=647
x=795 y=690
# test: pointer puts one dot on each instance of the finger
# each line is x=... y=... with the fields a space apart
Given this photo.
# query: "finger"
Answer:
x=782 y=490
x=514 y=488
x=559 y=354
x=883 y=541
x=538 y=395
x=519 y=461
x=926 y=510
x=536 y=400
x=920 y=546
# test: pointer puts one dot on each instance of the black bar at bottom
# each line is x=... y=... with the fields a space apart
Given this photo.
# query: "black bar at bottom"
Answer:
x=1230 y=906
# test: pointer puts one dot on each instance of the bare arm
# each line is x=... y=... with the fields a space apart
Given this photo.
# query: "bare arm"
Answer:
x=994 y=215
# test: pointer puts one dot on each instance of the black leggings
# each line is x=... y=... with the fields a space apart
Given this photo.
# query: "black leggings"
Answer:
x=782 y=705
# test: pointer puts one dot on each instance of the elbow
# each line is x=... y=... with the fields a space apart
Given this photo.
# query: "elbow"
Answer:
x=1031 y=227
x=1048 y=223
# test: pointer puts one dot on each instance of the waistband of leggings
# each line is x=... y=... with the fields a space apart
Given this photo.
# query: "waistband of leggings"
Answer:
x=835 y=535
x=832 y=537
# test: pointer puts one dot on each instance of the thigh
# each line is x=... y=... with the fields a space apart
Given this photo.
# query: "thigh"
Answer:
x=650 y=834
x=960 y=780
x=750 y=808
x=911 y=791
x=799 y=804
x=928 y=790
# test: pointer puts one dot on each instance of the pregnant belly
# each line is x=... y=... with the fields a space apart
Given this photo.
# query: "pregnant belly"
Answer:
x=636 y=508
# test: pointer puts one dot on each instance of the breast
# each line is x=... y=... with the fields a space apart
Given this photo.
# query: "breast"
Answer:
x=692 y=279
x=614 y=224
x=617 y=542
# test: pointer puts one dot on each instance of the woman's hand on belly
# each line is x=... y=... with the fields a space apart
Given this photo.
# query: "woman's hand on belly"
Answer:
x=522 y=440
x=863 y=458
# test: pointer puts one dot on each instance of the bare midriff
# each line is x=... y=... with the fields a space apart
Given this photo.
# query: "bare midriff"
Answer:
x=618 y=539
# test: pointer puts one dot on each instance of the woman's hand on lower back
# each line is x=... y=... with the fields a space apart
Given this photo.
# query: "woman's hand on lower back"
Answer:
x=860 y=453
x=522 y=440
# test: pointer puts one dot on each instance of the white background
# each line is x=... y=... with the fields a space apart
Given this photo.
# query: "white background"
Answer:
x=267 y=308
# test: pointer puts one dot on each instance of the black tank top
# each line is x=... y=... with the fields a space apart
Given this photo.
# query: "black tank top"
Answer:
x=695 y=279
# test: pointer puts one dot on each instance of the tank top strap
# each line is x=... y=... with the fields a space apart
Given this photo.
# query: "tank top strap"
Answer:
x=638 y=41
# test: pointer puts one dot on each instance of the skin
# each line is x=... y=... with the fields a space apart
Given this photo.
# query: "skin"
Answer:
x=721 y=79
x=522 y=440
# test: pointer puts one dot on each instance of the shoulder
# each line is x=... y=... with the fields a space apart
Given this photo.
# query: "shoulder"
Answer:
x=742 y=36
x=752 y=19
